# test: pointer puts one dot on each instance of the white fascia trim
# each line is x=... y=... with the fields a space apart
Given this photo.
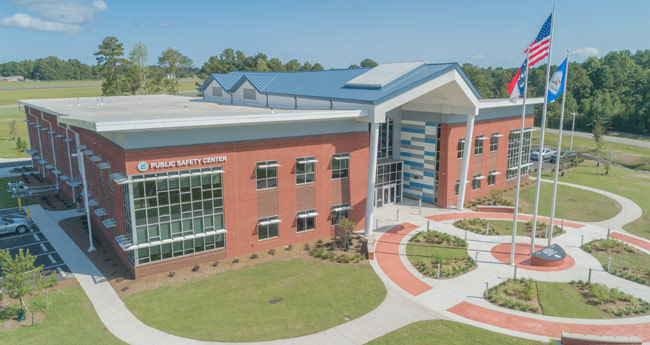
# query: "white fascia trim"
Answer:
x=214 y=121
x=451 y=76
x=506 y=103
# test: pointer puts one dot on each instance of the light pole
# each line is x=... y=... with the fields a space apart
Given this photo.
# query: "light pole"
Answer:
x=573 y=126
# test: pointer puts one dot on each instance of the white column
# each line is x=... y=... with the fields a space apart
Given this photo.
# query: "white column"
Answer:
x=372 y=175
x=462 y=185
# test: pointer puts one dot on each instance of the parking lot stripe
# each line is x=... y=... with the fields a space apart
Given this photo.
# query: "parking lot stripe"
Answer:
x=18 y=235
x=36 y=237
x=44 y=247
x=51 y=258
x=26 y=245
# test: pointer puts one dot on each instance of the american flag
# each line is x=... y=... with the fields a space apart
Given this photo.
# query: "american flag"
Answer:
x=540 y=46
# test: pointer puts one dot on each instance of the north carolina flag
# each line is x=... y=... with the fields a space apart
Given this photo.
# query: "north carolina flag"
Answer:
x=516 y=85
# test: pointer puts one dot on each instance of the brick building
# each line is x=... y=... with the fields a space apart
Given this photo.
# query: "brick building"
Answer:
x=272 y=158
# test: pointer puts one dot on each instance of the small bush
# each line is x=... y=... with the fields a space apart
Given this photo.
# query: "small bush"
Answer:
x=215 y=264
x=171 y=274
x=254 y=256
x=235 y=261
x=271 y=251
x=196 y=268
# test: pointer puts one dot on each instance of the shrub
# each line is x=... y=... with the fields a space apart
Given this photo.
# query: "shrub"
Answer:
x=272 y=251
x=254 y=256
x=215 y=264
x=196 y=268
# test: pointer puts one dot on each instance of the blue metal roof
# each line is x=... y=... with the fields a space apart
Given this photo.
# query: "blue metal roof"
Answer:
x=330 y=84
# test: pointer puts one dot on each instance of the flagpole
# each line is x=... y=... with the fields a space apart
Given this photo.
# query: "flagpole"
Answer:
x=520 y=153
x=540 y=157
x=558 y=157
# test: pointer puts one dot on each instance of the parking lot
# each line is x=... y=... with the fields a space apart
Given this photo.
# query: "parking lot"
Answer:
x=37 y=244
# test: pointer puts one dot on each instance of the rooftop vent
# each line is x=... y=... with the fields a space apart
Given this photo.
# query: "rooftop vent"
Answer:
x=383 y=74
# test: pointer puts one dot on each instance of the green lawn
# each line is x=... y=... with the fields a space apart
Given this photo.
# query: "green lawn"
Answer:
x=70 y=319
x=421 y=252
x=6 y=201
x=7 y=146
x=442 y=332
x=234 y=306
x=625 y=182
x=504 y=227
x=564 y=300
x=572 y=203
x=12 y=96
x=629 y=155
x=41 y=84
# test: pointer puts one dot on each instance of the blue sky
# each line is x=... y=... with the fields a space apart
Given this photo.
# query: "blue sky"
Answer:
x=335 y=33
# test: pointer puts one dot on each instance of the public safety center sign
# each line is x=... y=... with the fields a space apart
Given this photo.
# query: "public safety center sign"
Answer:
x=180 y=163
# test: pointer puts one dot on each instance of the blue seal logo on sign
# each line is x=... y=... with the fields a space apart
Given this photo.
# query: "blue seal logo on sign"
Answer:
x=556 y=82
x=142 y=166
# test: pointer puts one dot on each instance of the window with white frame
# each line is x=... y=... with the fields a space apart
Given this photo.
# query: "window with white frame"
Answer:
x=386 y=133
x=267 y=227
x=249 y=93
x=340 y=165
x=461 y=147
x=494 y=142
x=305 y=170
x=476 y=182
x=267 y=174
x=478 y=145
x=339 y=212
x=306 y=220
x=217 y=91
x=513 y=150
x=101 y=175
x=492 y=178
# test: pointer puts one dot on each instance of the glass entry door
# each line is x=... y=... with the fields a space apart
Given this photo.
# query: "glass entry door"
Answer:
x=386 y=195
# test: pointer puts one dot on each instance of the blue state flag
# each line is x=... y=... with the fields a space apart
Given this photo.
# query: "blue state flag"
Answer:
x=556 y=85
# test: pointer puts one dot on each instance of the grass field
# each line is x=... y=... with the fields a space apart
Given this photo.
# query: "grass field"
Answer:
x=70 y=319
x=234 y=306
x=442 y=332
x=564 y=300
x=625 y=182
x=572 y=203
x=6 y=201
x=504 y=227
x=7 y=146
x=39 y=90
x=628 y=155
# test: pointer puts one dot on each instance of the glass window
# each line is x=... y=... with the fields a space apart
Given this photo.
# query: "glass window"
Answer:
x=266 y=174
x=267 y=227
x=306 y=220
x=476 y=182
x=461 y=147
x=385 y=148
x=217 y=91
x=457 y=187
x=491 y=179
x=305 y=170
x=494 y=142
x=513 y=150
x=338 y=212
x=249 y=93
x=340 y=166
x=478 y=145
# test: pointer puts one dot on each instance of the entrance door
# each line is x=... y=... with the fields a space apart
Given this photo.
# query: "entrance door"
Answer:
x=379 y=197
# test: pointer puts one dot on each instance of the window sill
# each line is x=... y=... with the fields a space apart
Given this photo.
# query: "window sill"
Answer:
x=260 y=190
x=305 y=231
x=268 y=239
x=340 y=178
x=306 y=183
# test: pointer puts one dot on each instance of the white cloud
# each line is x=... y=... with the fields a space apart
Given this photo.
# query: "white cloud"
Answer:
x=68 y=16
x=586 y=51
x=25 y=21
x=478 y=57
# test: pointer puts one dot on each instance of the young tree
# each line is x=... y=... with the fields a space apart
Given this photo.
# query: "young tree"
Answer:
x=110 y=57
x=598 y=131
x=12 y=129
x=21 y=277
x=21 y=144
x=172 y=60
x=138 y=58
x=343 y=232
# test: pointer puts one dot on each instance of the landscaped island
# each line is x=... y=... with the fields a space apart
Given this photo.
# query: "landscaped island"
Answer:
x=627 y=262
x=427 y=249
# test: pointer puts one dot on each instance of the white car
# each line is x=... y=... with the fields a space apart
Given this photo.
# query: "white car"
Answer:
x=546 y=153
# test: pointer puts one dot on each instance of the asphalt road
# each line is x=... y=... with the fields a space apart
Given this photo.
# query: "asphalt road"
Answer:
x=620 y=140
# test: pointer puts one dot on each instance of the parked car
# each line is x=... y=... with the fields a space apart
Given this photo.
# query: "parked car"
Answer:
x=18 y=225
x=563 y=154
x=546 y=153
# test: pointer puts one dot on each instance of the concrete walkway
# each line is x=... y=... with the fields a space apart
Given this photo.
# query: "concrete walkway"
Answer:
x=394 y=312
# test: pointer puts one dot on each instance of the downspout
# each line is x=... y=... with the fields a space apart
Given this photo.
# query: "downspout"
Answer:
x=67 y=143
x=82 y=170
x=56 y=177
x=40 y=145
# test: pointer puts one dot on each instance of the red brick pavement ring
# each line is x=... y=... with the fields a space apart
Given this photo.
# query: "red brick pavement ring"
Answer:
x=501 y=252
x=632 y=240
x=552 y=329
x=388 y=258
x=493 y=215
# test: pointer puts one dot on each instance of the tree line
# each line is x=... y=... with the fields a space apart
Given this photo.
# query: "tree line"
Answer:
x=50 y=68
x=612 y=91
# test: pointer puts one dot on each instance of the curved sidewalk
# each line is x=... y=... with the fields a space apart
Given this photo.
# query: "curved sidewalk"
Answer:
x=394 y=312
